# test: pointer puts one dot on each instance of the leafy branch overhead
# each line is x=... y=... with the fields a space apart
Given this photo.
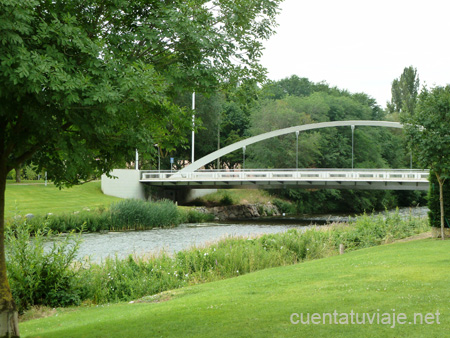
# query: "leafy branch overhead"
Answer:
x=89 y=80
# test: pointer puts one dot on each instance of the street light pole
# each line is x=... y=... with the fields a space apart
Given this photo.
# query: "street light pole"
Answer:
x=137 y=160
x=353 y=145
x=193 y=127
x=243 y=162
x=296 y=154
x=159 y=158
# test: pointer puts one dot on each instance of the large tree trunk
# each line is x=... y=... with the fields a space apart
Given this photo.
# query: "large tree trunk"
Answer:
x=441 y=203
x=9 y=321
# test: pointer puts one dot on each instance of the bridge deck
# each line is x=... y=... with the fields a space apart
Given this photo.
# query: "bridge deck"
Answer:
x=391 y=179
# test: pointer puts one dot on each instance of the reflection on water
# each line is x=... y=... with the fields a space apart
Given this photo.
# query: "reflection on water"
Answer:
x=99 y=246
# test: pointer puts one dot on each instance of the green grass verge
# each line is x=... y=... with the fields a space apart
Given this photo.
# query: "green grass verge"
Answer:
x=39 y=199
x=237 y=196
x=410 y=277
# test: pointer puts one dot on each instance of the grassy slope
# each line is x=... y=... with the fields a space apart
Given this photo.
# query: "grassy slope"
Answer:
x=410 y=277
x=239 y=196
x=39 y=199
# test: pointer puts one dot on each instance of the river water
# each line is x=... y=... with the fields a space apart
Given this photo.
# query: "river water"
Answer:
x=99 y=246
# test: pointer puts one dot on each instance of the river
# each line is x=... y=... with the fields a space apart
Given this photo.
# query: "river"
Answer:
x=99 y=246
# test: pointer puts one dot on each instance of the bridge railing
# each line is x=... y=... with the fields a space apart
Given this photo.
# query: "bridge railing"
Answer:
x=289 y=174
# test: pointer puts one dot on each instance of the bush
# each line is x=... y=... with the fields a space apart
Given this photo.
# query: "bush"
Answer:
x=284 y=206
x=88 y=220
x=194 y=216
x=139 y=214
x=124 y=215
x=41 y=275
x=226 y=200
x=128 y=279
x=368 y=231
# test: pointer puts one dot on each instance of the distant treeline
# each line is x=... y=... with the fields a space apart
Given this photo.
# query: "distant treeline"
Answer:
x=249 y=111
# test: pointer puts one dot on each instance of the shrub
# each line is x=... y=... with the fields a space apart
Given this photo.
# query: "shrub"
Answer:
x=226 y=200
x=90 y=221
x=124 y=215
x=139 y=214
x=41 y=275
x=284 y=206
x=131 y=278
x=366 y=231
x=194 y=216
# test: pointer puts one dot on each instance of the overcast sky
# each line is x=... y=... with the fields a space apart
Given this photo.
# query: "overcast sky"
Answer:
x=361 y=45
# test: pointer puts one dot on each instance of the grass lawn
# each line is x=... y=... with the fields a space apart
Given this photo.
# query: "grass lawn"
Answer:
x=409 y=277
x=39 y=199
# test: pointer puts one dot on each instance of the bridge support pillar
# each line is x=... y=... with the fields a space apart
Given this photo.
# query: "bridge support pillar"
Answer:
x=125 y=184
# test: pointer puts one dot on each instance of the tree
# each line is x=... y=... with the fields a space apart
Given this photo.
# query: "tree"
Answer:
x=293 y=85
x=85 y=82
x=404 y=91
x=287 y=103
x=427 y=128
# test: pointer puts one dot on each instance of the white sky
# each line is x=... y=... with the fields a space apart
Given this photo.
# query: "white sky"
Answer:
x=361 y=45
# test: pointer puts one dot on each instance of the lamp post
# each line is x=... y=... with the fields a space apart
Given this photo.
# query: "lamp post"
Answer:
x=159 y=157
x=243 y=162
x=296 y=154
x=353 y=145
x=193 y=127
x=137 y=160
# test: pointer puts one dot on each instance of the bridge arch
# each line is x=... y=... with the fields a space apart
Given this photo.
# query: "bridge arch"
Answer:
x=238 y=145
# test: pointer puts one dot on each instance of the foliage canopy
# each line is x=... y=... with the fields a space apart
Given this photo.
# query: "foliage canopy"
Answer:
x=427 y=128
x=85 y=82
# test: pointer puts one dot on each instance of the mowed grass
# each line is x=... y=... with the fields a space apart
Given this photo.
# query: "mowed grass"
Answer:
x=409 y=277
x=39 y=199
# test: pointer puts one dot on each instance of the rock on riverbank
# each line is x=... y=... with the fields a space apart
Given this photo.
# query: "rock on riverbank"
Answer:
x=241 y=211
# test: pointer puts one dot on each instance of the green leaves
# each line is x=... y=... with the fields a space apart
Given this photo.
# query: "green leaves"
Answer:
x=428 y=129
x=84 y=83
x=404 y=91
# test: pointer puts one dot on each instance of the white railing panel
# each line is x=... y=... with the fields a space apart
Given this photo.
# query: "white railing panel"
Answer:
x=308 y=174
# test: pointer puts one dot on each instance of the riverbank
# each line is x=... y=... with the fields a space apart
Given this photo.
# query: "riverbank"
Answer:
x=240 y=211
x=121 y=244
x=117 y=279
x=86 y=204
x=399 y=278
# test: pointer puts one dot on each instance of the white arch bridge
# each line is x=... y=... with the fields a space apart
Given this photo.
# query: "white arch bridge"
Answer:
x=361 y=179
x=372 y=179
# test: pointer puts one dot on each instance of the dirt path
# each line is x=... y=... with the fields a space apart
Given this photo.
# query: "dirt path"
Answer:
x=415 y=237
